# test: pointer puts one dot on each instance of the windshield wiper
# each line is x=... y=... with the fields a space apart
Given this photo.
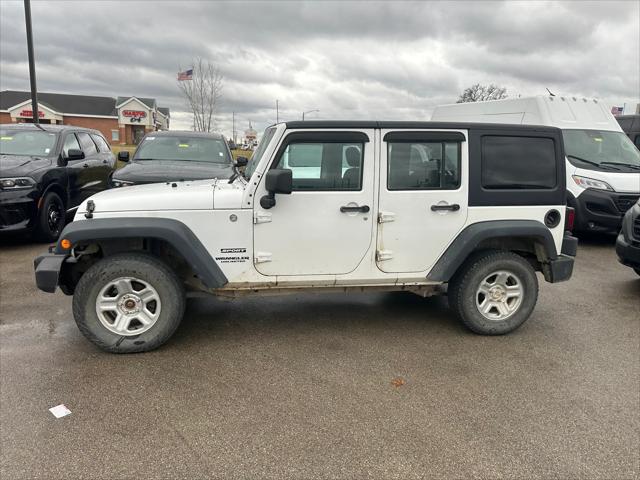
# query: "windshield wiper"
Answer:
x=630 y=165
x=595 y=164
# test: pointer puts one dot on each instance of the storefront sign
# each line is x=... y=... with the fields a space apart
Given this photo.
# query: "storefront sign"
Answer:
x=134 y=113
x=29 y=114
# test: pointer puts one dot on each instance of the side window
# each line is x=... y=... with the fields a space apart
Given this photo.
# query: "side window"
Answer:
x=512 y=162
x=423 y=165
x=637 y=141
x=70 y=142
x=88 y=147
x=323 y=166
x=100 y=142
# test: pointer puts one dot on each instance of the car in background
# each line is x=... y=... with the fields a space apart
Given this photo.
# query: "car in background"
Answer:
x=628 y=241
x=46 y=171
x=175 y=156
x=630 y=125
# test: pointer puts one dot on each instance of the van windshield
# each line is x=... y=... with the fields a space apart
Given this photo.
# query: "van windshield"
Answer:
x=183 y=148
x=601 y=149
x=257 y=155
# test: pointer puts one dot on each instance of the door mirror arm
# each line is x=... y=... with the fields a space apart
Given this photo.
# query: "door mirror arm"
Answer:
x=62 y=161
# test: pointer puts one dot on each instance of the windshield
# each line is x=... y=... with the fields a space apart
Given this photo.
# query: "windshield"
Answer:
x=601 y=149
x=27 y=142
x=183 y=148
x=257 y=155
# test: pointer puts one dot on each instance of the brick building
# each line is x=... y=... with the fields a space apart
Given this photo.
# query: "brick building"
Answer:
x=122 y=120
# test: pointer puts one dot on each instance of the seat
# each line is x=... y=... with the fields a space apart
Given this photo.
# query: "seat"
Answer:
x=351 y=177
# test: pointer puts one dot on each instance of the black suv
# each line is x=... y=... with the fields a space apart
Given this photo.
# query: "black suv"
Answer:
x=628 y=242
x=167 y=156
x=46 y=171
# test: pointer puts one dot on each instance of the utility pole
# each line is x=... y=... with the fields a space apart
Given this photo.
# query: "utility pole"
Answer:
x=233 y=128
x=32 y=66
x=277 y=113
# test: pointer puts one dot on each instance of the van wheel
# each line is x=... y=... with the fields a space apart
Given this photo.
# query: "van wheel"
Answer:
x=128 y=303
x=494 y=292
x=51 y=218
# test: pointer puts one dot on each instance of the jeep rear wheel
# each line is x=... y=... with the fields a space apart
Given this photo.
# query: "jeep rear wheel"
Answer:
x=494 y=292
x=128 y=303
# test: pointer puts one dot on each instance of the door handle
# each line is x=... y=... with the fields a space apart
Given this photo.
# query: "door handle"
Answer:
x=86 y=165
x=452 y=208
x=362 y=209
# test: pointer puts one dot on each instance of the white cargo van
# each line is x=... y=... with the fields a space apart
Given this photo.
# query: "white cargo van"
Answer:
x=603 y=165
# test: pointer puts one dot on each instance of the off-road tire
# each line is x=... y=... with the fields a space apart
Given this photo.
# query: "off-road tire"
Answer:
x=137 y=265
x=44 y=231
x=463 y=290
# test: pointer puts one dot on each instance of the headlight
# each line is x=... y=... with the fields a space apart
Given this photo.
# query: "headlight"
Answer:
x=120 y=183
x=585 y=182
x=16 y=183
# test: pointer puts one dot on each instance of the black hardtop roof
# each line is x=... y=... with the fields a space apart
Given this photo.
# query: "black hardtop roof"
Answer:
x=184 y=133
x=48 y=127
x=630 y=115
x=416 y=125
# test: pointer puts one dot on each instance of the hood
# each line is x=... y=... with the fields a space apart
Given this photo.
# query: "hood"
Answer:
x=151 y=171
x=190 y=195
x=621 y=182
x=21 y=165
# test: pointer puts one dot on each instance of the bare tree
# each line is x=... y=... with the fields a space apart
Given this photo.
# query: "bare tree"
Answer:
x=203 y=94
x=480 y=93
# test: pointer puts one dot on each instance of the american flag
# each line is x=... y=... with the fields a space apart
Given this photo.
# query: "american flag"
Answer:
x=617 y=110
x=186 y=75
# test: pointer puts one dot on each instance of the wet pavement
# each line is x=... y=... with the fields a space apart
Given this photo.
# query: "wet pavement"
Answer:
x=383 y=385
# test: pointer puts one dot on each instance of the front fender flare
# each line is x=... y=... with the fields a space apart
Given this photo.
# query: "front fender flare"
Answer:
x=174 y=232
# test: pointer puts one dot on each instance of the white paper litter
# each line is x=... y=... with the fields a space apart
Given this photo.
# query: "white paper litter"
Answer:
x=60 y=411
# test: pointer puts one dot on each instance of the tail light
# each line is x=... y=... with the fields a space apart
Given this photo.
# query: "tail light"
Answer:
x=569 y=219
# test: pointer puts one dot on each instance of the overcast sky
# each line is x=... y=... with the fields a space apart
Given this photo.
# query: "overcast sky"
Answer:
x=350 y=60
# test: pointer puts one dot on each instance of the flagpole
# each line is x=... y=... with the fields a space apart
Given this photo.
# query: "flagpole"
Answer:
x=32 y=63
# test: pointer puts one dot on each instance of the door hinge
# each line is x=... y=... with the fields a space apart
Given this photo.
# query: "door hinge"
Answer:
x=261 y=217
x=262 y=257
x=382 y=255
x=384 y=217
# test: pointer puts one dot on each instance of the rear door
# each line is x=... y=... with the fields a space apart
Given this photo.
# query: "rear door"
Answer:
x=423 y=197
x=325 y=226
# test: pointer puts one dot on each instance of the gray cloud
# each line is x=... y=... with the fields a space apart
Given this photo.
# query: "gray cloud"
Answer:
x=393 y=60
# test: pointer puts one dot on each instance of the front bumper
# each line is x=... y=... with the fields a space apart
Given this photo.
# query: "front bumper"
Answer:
x=18 y=210
x=600 y=210
x=47 y=268
x=628 y=241
x=628 y=253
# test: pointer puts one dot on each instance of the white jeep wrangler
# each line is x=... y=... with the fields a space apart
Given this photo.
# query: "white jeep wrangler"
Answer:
x=473 y=210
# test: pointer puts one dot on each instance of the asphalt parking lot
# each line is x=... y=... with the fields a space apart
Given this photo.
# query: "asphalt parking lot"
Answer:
x=301 y=387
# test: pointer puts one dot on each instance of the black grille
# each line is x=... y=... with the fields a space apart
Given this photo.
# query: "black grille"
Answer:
x=625 y=202
x=12 y=215
x=636 y=228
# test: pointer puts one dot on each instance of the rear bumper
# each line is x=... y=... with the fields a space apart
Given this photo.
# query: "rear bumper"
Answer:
x=560 y=269
x=600 y=210
x=47 y=270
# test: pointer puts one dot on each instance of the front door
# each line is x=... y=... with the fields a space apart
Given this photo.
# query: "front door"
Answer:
x=325 y=226
x=423 y=197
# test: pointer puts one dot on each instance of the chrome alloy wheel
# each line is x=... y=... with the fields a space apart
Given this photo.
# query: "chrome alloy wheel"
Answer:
x=128 y=306
x=499 y=295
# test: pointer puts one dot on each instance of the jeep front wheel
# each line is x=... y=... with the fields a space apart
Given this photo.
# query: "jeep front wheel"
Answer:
x=494 y=292
x=128 y=303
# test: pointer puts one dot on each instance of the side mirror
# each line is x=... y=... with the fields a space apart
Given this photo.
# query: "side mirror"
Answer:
x=241 y=162
x=75 y=154
x=277 y=180
x=123 y=156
